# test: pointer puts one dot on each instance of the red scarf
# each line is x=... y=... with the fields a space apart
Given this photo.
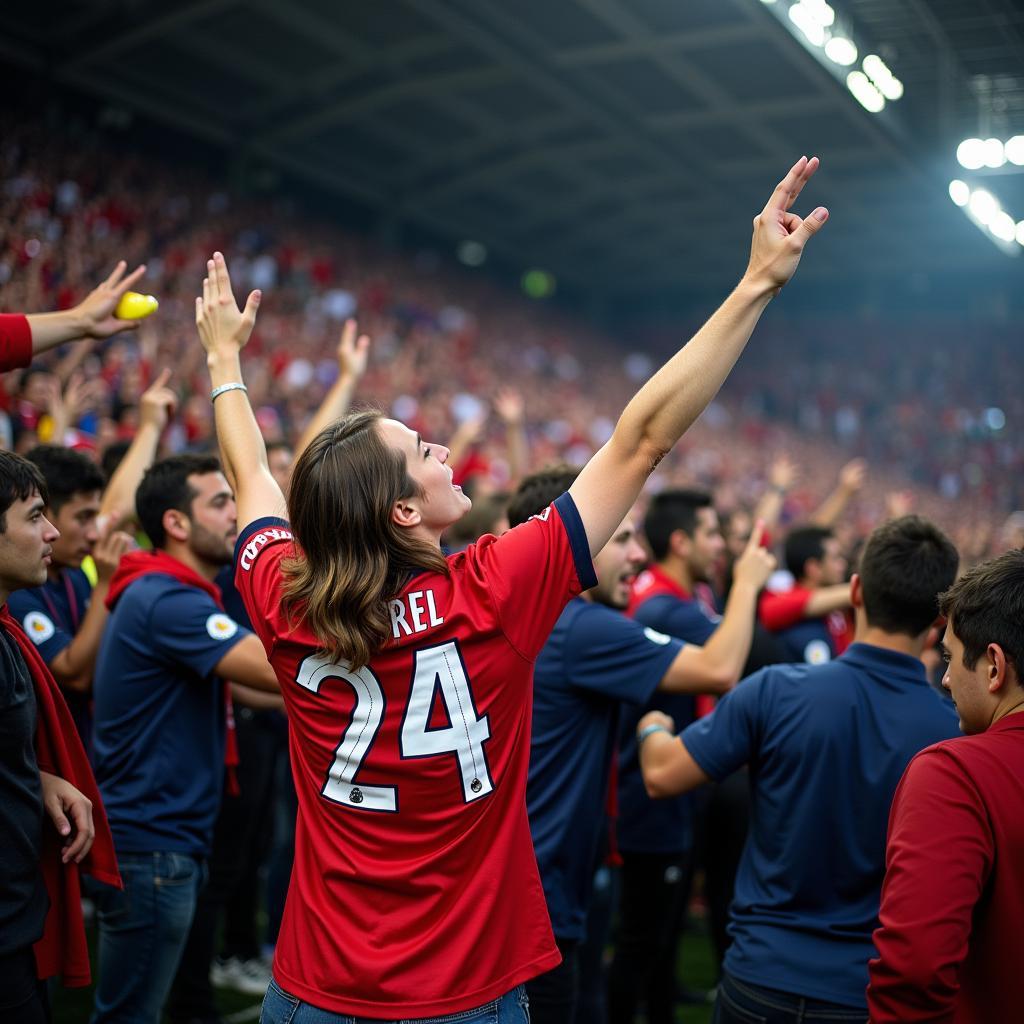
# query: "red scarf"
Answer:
x=62 y=949
x=137 y=564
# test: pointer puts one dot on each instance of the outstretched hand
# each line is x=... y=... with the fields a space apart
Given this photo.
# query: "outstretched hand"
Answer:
x=779 y=235
x=353 y=351
x=223 y=327
x=95 y=312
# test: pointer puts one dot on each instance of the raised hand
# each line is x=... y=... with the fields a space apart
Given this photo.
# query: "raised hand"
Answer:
x=95 y=313
x=223 y=327
x=756 y=564
x=783 y=473
x=353 y=351
x=508 y=404
x=158 y=402
x=853 y=475
x=779 y=235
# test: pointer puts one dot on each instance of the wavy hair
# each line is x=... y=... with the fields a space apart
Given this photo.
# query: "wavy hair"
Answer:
x=354 y=559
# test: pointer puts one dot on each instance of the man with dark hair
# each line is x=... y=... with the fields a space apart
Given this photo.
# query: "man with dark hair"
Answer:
x=160 y=716
x=953 y=900
x=826 y=746
x=43 y=771
x=810 y=619
x=65 y=617
x=595 y=661
x=656 y=838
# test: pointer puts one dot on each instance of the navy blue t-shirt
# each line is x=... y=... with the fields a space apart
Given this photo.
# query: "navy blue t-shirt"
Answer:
x=159 y=716
x=659 y=826
x=594 y=659
x=827 y=746
x=809 y=641
x=51 y=615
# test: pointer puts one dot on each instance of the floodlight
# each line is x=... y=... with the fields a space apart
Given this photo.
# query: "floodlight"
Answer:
x=971 y=154
x=959 y=192
x=1014 y=150
x=983 y=205
x=1002 y=226
x=841 y=50
x=865 y=92
x=995 y=153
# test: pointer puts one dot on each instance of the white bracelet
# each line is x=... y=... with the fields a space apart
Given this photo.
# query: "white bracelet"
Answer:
x=649 y=730
x=235 y=385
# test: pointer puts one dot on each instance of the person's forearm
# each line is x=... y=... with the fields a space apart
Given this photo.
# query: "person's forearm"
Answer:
x=243 y=451
x=334 y=406
x=119 y=496
x=729 y=645
x=769 y=508
x=829 y=511
x=52 y=329
x=518 y=452
x=663 y=409
x=73 y=668
x=827 y=599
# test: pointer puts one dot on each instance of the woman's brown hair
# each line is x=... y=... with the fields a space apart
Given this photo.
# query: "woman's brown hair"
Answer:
x=354 y=559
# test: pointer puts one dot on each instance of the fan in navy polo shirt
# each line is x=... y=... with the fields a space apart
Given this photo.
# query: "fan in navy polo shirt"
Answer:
x=826 y=746
x=656 y=837
x=160 y=726
x=594 y=661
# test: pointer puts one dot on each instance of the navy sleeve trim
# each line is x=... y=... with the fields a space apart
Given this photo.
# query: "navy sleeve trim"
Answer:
x=254 y=527
x=578 y=542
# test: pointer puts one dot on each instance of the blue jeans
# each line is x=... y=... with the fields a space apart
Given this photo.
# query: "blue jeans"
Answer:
x=739 y=1002
x=143 y=929
x=281 y=1008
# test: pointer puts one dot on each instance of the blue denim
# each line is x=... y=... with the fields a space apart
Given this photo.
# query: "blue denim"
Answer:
x=739 y=1002
x=281 y=1008
x=143 y=929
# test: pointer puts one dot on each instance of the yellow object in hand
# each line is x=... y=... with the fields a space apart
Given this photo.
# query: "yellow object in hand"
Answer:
x=135 y=306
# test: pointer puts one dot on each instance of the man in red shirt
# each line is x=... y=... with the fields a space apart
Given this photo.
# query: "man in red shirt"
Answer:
x=953 y=900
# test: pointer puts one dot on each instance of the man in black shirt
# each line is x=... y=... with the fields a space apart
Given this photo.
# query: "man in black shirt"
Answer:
x=26 y=793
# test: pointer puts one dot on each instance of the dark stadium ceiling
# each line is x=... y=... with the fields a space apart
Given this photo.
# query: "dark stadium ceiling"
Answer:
x=621 y=144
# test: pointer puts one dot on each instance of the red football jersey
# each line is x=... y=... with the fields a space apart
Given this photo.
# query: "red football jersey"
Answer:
x=415 y=890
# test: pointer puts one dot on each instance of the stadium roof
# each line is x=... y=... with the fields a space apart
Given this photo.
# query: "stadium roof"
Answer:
x=620 y=144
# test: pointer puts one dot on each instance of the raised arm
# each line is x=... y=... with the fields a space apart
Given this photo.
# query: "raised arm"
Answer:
x=93 y=317
x=678 y=393
x=224 y=330
x=156 y=406
x=352 y=355
x=851 y=480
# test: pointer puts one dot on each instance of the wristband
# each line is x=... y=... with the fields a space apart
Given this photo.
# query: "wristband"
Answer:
x=235 y=385
x=650 y=730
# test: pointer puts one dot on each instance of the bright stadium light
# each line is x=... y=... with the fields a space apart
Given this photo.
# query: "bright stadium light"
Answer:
x=995 y=153
x=1003 y=227
x=864 y=91
x=802 y=15
x=983 y=205
x=892 y=88
x=841 y=50
x=971 y=154
x=1014 y=150
x=959 y=192
x=821 y=12
x=1020 y=231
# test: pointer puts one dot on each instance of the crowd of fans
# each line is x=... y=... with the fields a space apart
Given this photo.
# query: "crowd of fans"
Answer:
x=446 y=341
x=771 y=466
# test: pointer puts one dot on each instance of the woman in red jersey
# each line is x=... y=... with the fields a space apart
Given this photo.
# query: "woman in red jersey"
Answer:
x=407 y=675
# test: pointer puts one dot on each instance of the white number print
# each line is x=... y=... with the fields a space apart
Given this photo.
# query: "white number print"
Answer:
x=437 y=669
x=441 y=667
x=367 y=716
